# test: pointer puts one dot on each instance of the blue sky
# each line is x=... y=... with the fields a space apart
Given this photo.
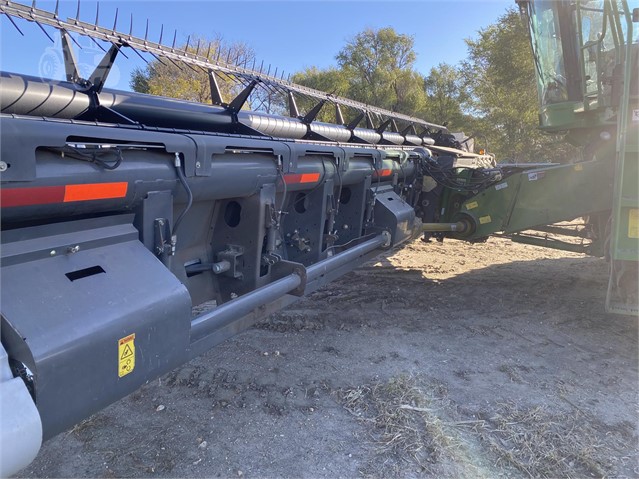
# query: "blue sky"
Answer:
x=287 y=34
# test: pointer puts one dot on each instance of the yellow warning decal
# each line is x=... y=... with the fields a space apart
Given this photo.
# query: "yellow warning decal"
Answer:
x=126 y=355
x=484 y=220
x=633 y=223
x=472 y=205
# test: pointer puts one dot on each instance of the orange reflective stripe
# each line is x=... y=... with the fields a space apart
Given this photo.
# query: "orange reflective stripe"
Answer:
x=381 y=173
x=95 y=191
x=310 y=178
x=291 y=179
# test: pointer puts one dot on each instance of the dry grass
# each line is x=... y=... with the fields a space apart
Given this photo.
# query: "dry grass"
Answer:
x=86 y=429
x=410 y=434
x=543 y=444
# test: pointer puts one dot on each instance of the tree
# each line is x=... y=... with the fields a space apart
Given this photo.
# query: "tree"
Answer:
x=379 y=67
x=165 y=78
x=447 y=96
x=504 y=96
x=376 y=68
x=330 y=80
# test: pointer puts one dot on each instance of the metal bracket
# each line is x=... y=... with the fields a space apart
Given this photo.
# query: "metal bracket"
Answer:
x=216 y=93
x=162 y=237
x=381 y=128
x=312 y=114
x=353 y=124
x=284 y=268
x=293 y=111
x=233 y=255
x=238 y=102
x=298 y=241
x=339 y=117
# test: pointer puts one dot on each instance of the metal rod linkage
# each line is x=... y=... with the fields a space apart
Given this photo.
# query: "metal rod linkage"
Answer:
x=213 y=321
x=225 y=314
x=459 y=227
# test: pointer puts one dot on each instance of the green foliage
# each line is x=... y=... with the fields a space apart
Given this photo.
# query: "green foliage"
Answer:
x=379 y=67
x=447 y=94
x=376 y=68
x=330 y=80
x=504 y=95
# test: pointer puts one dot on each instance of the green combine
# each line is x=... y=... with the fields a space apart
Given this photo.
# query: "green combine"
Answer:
x=585 y=55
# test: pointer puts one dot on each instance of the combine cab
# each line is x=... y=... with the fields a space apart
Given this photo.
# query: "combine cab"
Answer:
x=586 y=55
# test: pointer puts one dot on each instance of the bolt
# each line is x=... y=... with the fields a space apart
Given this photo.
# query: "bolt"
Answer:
x=3 y=166
x=73 y=249
x=345 y=227
x=52 y=252
x=387 y=239
x=198 y=164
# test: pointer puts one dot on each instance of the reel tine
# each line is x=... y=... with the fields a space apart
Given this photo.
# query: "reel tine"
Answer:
x=115 y=21
x=139 y=54
x=43 y=30
x=74 y=41
x=98 y=45
x=14 y=24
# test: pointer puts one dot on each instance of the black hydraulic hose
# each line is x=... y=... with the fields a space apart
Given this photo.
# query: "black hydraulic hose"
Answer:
x=339 y=190
x=91 y=155
x=189 y=194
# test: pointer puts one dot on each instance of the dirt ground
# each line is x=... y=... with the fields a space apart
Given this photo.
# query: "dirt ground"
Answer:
x=436 y=360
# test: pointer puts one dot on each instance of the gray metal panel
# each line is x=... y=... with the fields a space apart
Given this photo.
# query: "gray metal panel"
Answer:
x=394 y=214
x=22 y=136
x=64 y=322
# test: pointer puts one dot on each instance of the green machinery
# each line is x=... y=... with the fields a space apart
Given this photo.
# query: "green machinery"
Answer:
x=585 y=54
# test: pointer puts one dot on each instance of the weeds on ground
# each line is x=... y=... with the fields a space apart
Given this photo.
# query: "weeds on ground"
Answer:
x=543 y=444
x=413 y=434
x=86 y=429
x=408 y=429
